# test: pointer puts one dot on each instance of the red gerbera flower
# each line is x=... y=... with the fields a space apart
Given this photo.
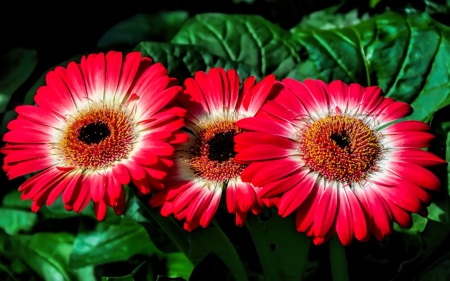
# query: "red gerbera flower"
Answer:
x=205 y=165
x=97 y=125
x=333 y=154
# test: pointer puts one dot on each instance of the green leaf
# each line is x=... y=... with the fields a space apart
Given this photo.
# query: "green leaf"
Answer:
x=178 y=265
x=419 y=224
x=407 y=57
x=440 y=126
x=110 y=243
x=15 y=214
x=46 y=253
x=183 y=61
x=12 y=221
x=245 y=39
x=161 y=26
x=15 y=68
x=213 y=240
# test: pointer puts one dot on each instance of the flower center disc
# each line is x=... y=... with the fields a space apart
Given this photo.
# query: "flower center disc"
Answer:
x=96 y=138
x=340 y=148
x=212 y=154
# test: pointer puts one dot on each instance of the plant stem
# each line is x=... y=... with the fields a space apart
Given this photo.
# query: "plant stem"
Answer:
x=173 y=230
x=338 y=260
x=178 y=236
x=266 y=257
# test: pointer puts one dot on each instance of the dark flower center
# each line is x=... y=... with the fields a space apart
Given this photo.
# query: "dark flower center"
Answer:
x=94 y=133
x=341 y=139
x=221 y=146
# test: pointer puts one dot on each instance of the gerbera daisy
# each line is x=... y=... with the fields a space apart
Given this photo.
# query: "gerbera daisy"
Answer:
x=97 y=126
x=205 y=165
x=333 y=154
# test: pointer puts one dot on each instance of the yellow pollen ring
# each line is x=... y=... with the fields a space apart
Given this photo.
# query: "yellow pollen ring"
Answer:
x=199 y=161
x=114 y=147
x=341 y=148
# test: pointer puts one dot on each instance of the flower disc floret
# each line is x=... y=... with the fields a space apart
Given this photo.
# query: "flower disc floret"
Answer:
x=341 y=148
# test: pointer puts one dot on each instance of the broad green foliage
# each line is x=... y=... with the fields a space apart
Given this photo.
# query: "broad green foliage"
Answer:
x=183 y=61
x=109 y=243
x=246 y=39
x=407 y=56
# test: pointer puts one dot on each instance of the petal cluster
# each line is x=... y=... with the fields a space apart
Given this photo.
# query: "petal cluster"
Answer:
x=333 y=154
x=97 y=126
x=205 y=166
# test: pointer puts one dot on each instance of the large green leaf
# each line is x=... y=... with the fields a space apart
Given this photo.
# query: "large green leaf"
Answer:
x=110 y=243
x=46 y=253
x=15 y=68
x=242 y=38
x=15 y=214
x=183 y=61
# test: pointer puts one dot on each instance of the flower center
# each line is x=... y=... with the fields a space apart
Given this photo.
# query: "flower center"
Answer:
x=212 y=154
x=340 y=148
x=221 y=146
x=94 y=132
x=96 y=138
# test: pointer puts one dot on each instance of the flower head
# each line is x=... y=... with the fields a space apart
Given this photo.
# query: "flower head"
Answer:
x=333 y=154
x=205 y=166
x=97 y=126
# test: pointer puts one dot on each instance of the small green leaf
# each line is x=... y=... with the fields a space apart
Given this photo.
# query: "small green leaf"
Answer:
x=15 y=68
x=110 y=243
x=419 y=224
x=245 y=39
x=178 y=265
x=159 y=27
